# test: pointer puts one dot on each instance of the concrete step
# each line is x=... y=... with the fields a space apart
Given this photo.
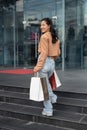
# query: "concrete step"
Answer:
x=69 y=112
x=9 y=123
x=29 y=113
x=13 y=88
x=25 y=89
x=63 y=103
x=72 y=94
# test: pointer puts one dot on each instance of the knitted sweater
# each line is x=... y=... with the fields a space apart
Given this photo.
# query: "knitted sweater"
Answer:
x=47 y=48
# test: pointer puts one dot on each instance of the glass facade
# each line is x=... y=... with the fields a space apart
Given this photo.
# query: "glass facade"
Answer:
x=74 y=25
x=20 y=33
x=34 y=11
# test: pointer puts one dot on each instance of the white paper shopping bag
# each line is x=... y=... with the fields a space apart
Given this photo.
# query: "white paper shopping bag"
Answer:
x=58 y=83
x=36 y=91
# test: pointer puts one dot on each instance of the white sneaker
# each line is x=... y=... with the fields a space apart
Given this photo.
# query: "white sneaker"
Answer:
x=44 y=113
x=54 y=100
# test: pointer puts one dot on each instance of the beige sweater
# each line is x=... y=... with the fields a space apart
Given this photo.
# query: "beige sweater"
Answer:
x=46 y=48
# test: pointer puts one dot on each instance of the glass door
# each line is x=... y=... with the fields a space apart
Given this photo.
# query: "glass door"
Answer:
x=11 y=34
x=7 y=36
x=34 y=11
x=31 y=38
x=74 y=33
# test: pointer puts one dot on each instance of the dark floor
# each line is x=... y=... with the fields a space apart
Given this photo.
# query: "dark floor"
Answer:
x=72 y=80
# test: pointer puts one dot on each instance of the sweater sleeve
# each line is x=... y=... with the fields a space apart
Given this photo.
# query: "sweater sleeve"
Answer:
x=43 y=53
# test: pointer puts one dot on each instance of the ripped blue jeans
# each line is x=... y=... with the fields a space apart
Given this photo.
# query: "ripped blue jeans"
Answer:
x=47 y=71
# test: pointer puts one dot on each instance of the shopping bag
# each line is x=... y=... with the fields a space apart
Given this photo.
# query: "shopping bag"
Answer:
x=36 y=91
x=45 y=88
x=54 y=80
x=58 y=83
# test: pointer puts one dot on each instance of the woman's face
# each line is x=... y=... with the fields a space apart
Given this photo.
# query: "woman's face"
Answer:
x=44 y=27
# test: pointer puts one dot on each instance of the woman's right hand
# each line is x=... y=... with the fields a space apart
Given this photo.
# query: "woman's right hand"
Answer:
x=35 y=71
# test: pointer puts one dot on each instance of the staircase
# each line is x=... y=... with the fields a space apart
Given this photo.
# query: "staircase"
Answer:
x=17 y=112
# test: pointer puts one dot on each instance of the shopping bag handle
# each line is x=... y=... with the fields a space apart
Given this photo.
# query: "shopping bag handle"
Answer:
x=36 y=74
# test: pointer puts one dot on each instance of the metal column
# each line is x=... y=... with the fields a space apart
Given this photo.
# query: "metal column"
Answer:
x=63 y=35
x=14 y=13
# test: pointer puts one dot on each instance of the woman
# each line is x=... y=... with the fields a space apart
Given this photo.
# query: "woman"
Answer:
x=49 y=50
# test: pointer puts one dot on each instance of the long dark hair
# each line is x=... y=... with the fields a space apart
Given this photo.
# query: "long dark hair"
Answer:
x=52 y=29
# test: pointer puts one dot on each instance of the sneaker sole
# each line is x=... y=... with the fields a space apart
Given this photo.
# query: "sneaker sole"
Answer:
x=46 y=114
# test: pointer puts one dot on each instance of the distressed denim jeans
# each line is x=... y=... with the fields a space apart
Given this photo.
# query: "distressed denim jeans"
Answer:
x=47 y=71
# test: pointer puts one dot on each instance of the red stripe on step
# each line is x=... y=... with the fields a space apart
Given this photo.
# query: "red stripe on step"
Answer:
x=18 y=71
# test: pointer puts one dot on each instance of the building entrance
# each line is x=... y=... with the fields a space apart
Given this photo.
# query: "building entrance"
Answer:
x=34 y=11
x=20 y=33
